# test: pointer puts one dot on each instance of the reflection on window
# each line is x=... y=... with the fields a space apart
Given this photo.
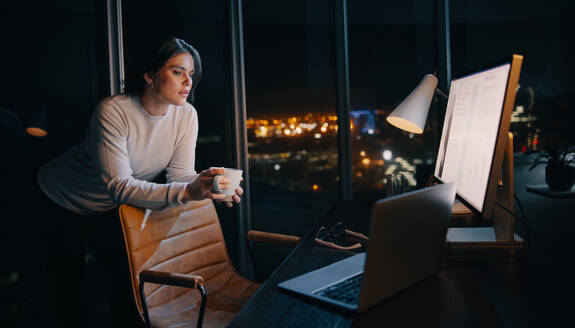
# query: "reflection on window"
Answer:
x=380 y=150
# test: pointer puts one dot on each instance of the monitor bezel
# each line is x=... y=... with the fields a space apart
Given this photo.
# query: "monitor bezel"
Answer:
x=515 y=62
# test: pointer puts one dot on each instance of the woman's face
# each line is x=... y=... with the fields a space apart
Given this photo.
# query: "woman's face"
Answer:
x=172 y=83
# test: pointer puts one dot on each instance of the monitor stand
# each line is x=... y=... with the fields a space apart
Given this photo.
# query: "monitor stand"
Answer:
x=469 y=231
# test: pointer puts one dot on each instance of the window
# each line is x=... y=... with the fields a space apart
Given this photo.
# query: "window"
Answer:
x=292 y=124
x=392 y=46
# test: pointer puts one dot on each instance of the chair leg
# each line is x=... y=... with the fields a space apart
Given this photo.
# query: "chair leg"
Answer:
x=144 y=305
x=202 y=305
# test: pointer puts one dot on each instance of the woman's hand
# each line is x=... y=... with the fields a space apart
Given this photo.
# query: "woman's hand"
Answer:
x=236 y=198
x=202 y=187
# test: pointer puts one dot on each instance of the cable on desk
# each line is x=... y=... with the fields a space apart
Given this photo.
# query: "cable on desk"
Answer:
x=524 y=218
x=521 y=219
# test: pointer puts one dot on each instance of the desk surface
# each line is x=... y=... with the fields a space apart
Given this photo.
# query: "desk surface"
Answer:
x=492 y=292
x=544 y=190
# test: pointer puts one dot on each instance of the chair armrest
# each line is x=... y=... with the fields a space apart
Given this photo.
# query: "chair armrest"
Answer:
x=171 y=278
x=273 y=238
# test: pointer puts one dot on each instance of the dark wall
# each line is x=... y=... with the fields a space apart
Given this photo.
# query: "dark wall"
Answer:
x=54 y=56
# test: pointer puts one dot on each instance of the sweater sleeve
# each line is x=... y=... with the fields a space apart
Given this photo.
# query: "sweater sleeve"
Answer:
x=182 y=164
x=112 y=150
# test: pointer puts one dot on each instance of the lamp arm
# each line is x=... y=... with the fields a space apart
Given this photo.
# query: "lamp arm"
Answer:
x=441 y=93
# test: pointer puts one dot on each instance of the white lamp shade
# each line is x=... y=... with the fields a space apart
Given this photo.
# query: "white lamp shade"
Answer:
x=411 y=113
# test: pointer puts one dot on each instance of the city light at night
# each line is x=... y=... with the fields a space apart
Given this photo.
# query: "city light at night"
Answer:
x=387 y=155
x=304 y=147
x=293 y=126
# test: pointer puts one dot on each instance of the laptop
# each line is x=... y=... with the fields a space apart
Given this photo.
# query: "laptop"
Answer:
x=407 y=238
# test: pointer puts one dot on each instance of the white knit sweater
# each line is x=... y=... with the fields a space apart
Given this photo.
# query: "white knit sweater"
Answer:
x=124 y=149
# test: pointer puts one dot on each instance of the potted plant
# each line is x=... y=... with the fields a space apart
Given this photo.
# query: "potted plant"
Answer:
x=559 y=173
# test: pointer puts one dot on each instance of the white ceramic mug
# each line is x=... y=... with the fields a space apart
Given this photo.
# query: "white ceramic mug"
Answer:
x=235 y=177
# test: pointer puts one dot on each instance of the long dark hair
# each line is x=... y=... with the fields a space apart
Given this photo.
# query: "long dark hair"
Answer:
x=153 y=55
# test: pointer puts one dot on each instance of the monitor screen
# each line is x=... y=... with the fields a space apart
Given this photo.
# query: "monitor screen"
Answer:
x=470 y=131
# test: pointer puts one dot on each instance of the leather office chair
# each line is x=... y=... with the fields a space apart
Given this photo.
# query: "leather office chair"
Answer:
x=182 y=249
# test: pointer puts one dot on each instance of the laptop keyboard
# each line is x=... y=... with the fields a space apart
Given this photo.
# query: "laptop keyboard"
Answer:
x=346 y=291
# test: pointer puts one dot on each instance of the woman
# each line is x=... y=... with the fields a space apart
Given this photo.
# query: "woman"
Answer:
x=131 y=140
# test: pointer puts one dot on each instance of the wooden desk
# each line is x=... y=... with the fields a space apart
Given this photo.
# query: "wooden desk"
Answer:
x=486 y=293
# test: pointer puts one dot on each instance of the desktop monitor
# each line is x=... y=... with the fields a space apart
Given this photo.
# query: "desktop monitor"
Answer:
x=475 y=133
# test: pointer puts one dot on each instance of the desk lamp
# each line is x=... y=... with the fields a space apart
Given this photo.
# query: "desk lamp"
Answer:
x=411 y=113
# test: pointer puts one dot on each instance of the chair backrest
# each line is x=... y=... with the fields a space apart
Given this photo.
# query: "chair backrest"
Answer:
x=185 y=239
